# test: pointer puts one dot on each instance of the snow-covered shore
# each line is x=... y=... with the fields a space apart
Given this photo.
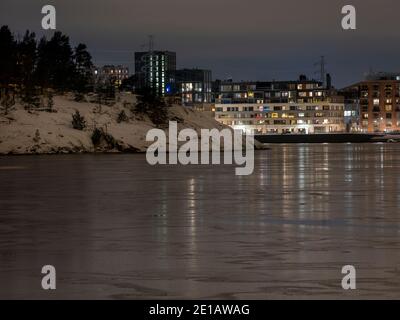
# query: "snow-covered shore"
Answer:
x=41 y=132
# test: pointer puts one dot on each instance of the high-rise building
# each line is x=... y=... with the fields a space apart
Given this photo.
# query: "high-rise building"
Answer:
x=378 y=101
x=194 y=86
x=156 y=70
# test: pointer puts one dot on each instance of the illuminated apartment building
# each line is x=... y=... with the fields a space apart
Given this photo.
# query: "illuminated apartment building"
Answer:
x=302 y=106
x=194 y=86
x=302 y=90
x=113 y=74
x=278 y=118
x=156 y=70
x=378 y=101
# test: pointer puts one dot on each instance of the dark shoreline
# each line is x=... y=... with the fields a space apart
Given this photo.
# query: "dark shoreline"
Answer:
x=326 y=138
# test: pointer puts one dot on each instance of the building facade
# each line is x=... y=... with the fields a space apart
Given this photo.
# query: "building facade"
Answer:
x=194 y=86
x=283 y=118
x=302 y=90
x=378 y=101
x=280 y=107
x=156 y=70
x=351 y=109
x=112 y=74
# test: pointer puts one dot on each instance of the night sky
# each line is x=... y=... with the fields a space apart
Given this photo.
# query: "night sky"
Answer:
x=242 y=39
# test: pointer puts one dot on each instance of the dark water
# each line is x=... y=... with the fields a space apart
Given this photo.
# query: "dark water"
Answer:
x=114 y=227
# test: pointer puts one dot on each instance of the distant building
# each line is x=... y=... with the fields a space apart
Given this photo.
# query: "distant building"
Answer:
x=156 y=70
x=280 y=107
x=378 y=100
x=194 y=86
x=112 y=74
x=302 y=90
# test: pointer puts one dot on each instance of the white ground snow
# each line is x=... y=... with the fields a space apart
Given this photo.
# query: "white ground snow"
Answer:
x=39 y=132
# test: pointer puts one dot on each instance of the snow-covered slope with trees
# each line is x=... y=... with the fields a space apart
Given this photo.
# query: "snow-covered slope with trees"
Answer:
x=119 y=128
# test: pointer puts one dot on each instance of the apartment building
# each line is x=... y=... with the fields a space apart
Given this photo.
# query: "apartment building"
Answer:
x=194 y=86
x=377 y=99
x=111 y=73
x=280 y=107
x=156 y=70
x=283 y=118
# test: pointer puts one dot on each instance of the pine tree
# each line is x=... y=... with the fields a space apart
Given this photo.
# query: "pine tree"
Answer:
x=55 y=68
x=26 y=59
x=30 y=66
x=30 y=97
x=83 y=69
x=78 y=121
x=6 y=101
x=7 y=57
x=153 y=105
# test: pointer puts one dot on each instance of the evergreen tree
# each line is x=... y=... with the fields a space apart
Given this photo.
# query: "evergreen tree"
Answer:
x=83 y=69
x=153 y=105
x=105 y=93
x=122 y=117
x=42 y=73
x=6 y=102
x=26 y=59
x=78 y=121
x=34 y=66
x=7 y=57
x=30 y=97
x=55 y=67
x=129 y=84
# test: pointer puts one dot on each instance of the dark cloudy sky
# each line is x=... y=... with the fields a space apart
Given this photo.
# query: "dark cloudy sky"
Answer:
x=242 y=39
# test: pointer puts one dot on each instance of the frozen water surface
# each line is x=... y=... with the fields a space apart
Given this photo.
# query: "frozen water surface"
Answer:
x=116 y=228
